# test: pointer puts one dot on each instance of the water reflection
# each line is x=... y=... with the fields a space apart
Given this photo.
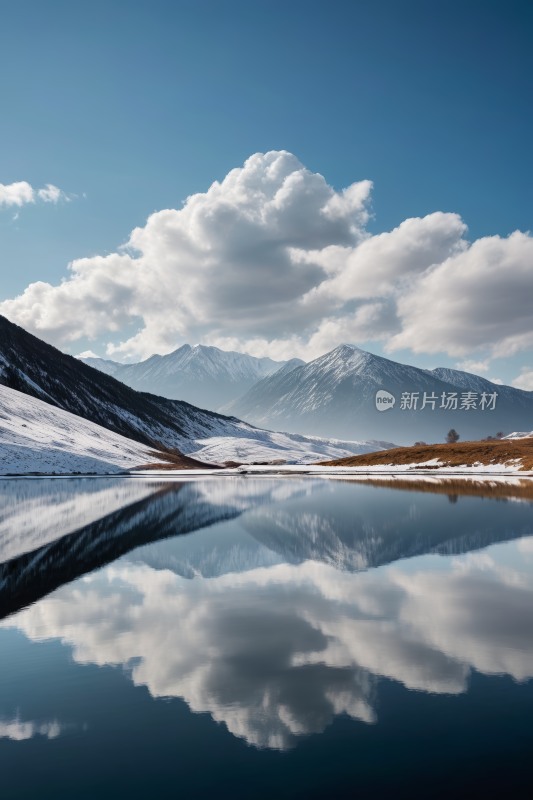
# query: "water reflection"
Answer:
x=508 y=488
x=18 y=730
x=34 y=513
x=275 y=653
x=349 y=525
x=266 y=603
x=165 y=510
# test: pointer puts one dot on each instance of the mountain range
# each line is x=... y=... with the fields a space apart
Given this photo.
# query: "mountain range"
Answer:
x=336 y=395
x=48 y=435
x=203 y=376
x=333 y=397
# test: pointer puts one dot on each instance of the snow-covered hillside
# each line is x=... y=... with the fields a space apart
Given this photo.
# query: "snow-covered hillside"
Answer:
x=205 y=376
x=248 y=444
x=37 y=437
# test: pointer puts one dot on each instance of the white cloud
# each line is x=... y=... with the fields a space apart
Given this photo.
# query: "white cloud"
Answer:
x=20 y=193
x=478 y=299
x=16 y=194
x=374 y=267
x=274 y=261
x=87 y=354
x=524 y=380
x=51 y=194
x=474 y=366
x=219 y=265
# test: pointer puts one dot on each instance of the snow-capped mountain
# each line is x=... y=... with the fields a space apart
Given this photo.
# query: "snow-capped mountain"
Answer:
x=335 y=395
x=61 y=442
x=203 y=376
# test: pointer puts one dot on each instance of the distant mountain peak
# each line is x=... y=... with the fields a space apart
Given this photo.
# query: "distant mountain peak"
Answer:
x=201 y=374
x=335 y=395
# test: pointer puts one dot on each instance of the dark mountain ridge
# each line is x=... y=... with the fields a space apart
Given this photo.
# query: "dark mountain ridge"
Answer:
x=31 y=366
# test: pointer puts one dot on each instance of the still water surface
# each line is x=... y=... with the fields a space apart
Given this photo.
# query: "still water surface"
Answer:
x=246 y=637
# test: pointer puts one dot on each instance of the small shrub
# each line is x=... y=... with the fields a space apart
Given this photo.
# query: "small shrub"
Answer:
x=452 y=436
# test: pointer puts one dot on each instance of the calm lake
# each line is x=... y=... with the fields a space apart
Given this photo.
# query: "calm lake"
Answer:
x=261 y=637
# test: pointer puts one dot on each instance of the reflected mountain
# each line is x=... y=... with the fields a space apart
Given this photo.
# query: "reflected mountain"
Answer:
x=351 y=529
x=171 y=509
x=34 y=513
x=348 y=525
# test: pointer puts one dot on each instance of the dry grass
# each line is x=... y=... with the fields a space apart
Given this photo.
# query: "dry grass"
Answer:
x=173 y=459
x=462 y=454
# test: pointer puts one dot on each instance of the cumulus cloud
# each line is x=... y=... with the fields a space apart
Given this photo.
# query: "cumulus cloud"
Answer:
x=16 y=194
x=274 y=261
x=477 y=299
x=374 y=268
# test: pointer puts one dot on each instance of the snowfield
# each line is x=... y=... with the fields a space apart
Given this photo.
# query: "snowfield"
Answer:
x=248 y=444
x=37 y=437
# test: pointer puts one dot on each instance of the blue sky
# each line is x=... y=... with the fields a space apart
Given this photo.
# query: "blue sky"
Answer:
x=134 y=106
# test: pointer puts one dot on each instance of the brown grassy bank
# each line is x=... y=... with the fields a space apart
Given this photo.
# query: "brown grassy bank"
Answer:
x=461 y=454
x=173 y=459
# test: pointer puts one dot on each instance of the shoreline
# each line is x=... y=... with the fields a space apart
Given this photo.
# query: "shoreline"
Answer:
x=483 y=472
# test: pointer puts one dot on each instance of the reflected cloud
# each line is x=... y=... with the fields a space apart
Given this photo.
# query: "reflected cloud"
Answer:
x=18 y=731
x=275 y=653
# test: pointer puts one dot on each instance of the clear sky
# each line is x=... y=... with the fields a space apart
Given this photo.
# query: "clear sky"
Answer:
x=131 y=107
